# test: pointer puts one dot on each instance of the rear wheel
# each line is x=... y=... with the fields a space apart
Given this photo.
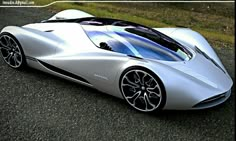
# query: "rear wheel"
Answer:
x=11 y=51
x=142 y=89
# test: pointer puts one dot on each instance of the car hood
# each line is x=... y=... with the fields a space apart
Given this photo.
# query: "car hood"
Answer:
x=204 y=70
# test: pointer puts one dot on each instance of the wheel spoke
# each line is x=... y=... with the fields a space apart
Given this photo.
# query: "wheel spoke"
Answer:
x=132 y=86
x=145 y=101
x=18 y=61
x=151 y=91
x=17 y=51
x=131 y=83
x=7 y=40
x=133 y=98
x=149 y=82
x=14 y=45
x=18 y=54
x=8 y=57
x=145 y=74
x=136 y=94
x=2 y=46
x=136 y=77
x=14 y=58
x=148 y=101
x=132 y=89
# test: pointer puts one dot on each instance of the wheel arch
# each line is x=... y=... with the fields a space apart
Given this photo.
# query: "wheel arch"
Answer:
x=14 y=31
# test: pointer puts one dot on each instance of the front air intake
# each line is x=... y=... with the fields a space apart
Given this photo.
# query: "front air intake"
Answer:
x=210 y=101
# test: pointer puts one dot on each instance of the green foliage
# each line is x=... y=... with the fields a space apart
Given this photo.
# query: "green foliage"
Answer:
x=215 y=21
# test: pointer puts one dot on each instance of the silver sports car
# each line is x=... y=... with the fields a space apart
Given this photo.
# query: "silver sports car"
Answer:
x=151 y=68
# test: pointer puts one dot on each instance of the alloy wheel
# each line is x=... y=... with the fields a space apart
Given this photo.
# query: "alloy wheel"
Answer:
x=11 y=51
x=141 y=90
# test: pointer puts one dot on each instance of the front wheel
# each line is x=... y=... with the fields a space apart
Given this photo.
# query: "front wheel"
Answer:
x=11 y=51
x=142 y=89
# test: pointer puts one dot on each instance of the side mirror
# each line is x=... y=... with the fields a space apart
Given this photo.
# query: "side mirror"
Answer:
x=105 y=46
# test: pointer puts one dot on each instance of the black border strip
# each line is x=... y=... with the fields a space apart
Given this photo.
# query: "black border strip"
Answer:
x=66 y=73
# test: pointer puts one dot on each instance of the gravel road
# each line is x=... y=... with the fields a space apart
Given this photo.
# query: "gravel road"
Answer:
x=38 y=106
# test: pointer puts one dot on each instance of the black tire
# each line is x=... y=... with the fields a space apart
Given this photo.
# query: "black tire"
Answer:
x=138 y=93
x=11 y=51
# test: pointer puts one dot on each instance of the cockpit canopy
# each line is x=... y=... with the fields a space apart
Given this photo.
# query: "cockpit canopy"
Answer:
x=134 y=40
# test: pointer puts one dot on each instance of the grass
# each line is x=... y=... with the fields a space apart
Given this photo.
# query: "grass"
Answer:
x=214 y=21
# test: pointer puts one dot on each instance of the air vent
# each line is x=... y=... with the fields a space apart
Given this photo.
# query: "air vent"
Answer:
x=48 y=31
x=210 y=100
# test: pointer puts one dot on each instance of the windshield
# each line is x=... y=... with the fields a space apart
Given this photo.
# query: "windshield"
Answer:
x=136 y=40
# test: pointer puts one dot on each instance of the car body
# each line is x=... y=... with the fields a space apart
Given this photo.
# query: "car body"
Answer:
x=151 y=68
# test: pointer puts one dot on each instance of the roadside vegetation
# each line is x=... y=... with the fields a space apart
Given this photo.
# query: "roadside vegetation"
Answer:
x=215 y=21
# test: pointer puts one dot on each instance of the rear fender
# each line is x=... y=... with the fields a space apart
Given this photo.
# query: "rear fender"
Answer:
x=34 y=43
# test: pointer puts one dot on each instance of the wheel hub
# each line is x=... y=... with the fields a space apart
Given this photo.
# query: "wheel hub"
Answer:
x=143 y=88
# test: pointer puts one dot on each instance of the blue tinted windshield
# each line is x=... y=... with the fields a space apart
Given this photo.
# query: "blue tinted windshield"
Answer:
x=137 y=41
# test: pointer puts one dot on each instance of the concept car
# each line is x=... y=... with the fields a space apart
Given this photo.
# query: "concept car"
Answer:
x=150 y=68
